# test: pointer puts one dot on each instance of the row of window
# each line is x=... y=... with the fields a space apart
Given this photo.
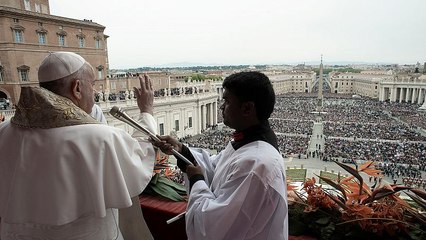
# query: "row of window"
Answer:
x=23 y=73
x=342 y=83
x=299 y=76
x=176 y=128
x=37 y=7
x=344 y=76
x=18 y=33
x=42 y=36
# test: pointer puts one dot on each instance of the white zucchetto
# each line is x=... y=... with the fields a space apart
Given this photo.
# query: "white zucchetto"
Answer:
x=58 y=65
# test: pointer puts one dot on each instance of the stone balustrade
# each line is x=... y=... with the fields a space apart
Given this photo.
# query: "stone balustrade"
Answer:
x=168 y=107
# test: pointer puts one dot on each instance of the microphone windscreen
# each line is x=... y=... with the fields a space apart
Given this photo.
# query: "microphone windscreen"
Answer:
x=115 y=111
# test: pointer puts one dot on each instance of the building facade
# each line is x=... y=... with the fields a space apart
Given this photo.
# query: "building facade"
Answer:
x=28 y=32
x=179 y=114
x=292 y=81
x=404 y=88
x=356 y=83
x=382 y=85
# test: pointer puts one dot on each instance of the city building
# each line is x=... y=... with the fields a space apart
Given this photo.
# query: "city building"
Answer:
x=389 y=85
x=292 y=81
x=185 y=106
x=28 y=32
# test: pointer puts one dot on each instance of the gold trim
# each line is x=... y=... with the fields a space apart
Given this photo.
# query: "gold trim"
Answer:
x=40 y=108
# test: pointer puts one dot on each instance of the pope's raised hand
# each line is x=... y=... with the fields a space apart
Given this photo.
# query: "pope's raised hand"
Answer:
x=145 y=94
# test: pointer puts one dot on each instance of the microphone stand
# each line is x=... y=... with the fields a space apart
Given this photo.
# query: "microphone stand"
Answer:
x=122 y=116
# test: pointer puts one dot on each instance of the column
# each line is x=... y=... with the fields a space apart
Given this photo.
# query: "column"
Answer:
x=387 y=94
x=211 y=114
x=215 y=113
x=407 y=94
x=419 y=92
x=393 y=94
x=423 y=107
x=399 y=95
x=382 y=94
x=203 y=114
x=402 y=95
x=199 y=118
x=182 y=122
x=413 y=95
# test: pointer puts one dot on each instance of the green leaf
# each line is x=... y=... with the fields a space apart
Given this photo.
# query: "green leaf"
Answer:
x=154 y=179
x=176 y=186
x=166 y=191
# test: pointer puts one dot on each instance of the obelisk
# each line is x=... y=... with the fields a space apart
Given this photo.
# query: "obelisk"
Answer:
x=320 y=83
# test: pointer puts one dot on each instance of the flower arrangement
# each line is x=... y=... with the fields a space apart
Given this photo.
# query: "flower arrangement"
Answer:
x=350 y=209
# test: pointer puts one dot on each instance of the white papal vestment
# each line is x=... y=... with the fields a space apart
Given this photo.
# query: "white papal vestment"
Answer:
x=68 y=182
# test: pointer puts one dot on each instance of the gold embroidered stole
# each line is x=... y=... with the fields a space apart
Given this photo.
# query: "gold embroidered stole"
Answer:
x=40 y=108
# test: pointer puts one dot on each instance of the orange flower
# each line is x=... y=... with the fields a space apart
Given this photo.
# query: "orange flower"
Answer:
x=381 y=211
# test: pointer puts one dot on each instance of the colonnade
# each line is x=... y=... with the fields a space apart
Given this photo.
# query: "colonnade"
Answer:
x=181 y=115
x=412 y=94
x=208 y=115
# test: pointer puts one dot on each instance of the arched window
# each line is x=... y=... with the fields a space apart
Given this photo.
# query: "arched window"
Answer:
x=98 y=39
x=18 y=33
x=27 y=5
x=81 y=40
x=42 y=35
x=61 y=37
x=23 y=72
x=100 y=69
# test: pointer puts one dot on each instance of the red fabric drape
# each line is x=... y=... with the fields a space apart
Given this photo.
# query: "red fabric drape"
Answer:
x=157 y=210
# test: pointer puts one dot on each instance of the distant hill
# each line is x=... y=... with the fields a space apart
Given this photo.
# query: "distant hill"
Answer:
x=215 y=66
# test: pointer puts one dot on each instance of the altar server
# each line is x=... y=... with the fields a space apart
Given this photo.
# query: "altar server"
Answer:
x=240 y=193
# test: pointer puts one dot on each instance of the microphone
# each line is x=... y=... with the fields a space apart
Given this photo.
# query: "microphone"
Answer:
x=122 y=116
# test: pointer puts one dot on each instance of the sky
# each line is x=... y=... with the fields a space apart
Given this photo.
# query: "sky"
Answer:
x=238 y=32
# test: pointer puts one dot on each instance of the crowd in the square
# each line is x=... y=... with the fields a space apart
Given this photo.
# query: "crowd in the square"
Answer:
x=291 y=126
x=212 y=139
x=406 y=152
x=355 y=129
x=391 y=131
x=292 y=145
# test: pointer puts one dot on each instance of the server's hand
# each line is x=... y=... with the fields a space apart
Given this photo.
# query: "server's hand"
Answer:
x=168 y=143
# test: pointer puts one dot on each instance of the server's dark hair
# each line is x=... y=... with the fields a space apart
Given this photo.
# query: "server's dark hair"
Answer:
x=255 y=87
